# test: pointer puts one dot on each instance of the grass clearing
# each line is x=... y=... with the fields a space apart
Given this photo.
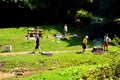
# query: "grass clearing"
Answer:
x=16 y=38
x=67 y=64
x=63 y=65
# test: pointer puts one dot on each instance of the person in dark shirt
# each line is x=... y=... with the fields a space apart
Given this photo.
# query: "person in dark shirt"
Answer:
x=37 y=43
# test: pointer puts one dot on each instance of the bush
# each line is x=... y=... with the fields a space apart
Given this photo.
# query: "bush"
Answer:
x=116 y=41
x=115 y=66
x=110 y=72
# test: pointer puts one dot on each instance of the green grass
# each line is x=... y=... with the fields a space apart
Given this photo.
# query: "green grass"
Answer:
x=16 y=38
x=63 y=74
x=66 y=65
x=32 y=61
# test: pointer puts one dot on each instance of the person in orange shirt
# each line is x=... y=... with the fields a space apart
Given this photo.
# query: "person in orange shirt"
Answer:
x=84 y=43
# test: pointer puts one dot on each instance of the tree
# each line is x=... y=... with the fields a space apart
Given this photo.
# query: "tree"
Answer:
x=109 y=8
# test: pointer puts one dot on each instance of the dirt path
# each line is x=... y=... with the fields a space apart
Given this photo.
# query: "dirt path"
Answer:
x=18 y=53
x=13 y=53
x=5 y=75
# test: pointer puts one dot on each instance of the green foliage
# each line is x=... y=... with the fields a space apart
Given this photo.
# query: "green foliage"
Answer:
x=108 y=8
x=91 y=1
x=115 y=65
x=111 y=71
x=103 y=73
x=94 y=18
x=71 y=73
x=85 y=14
x=117 y=19
x=35 y=4
x=82 y=13
x=116 y=41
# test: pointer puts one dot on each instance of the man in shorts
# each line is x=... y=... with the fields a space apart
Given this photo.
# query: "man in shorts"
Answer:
x=84 y=43
x=106 y=42
x=37 y=43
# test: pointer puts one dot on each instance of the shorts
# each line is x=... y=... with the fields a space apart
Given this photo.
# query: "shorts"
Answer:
x=83 y=46
x=65 y=32
x=105 y=44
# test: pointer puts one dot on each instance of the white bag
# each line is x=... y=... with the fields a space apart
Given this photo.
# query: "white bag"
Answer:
x=8 y=48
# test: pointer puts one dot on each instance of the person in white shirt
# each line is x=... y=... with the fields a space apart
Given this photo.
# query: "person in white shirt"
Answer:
x=65 y=29
x=106 y=42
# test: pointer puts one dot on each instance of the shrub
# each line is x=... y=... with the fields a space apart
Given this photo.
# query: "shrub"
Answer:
x=116 y=41
x=110 y=72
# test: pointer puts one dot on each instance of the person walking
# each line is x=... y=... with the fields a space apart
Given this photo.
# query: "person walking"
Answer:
x=84 y=43
x=37 y=43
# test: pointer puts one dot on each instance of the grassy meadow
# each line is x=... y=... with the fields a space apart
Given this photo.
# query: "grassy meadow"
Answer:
x=16 y=38
x=67 y=64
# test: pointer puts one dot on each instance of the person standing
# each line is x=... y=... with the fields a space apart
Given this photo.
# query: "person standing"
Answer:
x=106 y=42
x=37 y=43
x=84 y=43
x=65 y=29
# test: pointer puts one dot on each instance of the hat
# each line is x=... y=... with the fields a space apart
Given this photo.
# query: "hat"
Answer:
x=86 y=36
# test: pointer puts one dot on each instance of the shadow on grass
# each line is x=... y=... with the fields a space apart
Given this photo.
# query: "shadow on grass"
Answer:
x=79 y=52
x=4 y=51
x=73 y=41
